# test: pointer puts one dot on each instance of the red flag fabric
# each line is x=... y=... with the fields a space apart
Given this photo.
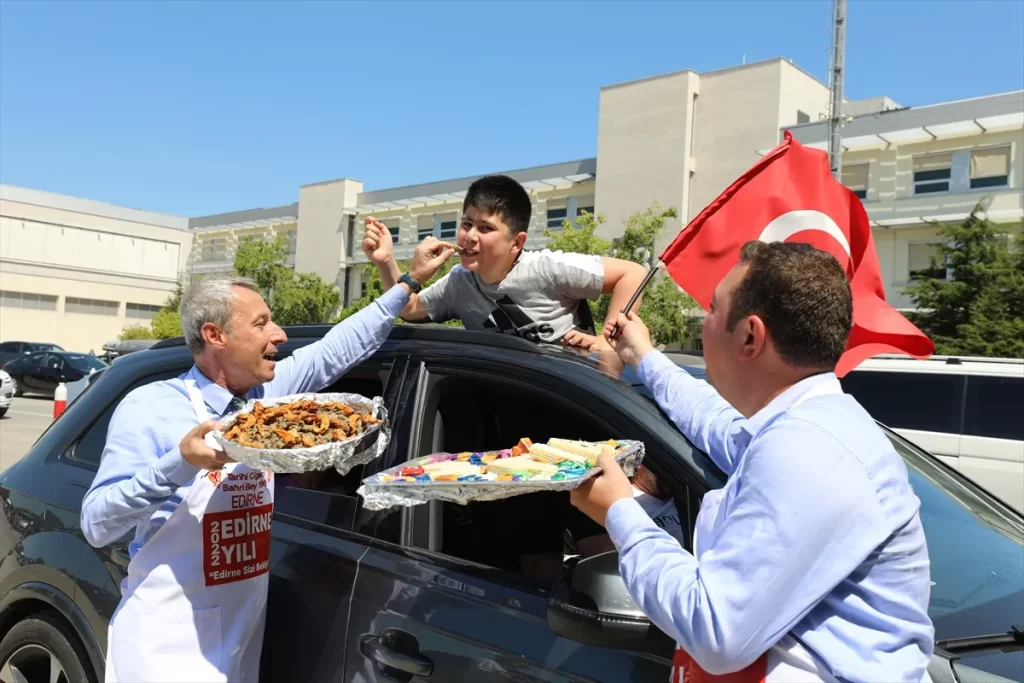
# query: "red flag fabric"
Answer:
x=791 y=196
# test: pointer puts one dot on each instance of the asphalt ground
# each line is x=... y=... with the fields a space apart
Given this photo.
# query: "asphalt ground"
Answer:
x=25 y=420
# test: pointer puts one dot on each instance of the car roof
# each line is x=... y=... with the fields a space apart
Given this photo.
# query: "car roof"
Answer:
x=944 y=365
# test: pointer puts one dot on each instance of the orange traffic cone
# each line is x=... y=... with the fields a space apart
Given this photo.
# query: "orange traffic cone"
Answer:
x=60 y=400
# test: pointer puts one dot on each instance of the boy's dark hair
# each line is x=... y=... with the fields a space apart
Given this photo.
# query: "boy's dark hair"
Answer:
x=803 y=296
x=504 y=197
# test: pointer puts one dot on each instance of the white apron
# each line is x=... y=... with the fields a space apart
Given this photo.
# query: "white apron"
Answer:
x=196 y=594
x=788 y=660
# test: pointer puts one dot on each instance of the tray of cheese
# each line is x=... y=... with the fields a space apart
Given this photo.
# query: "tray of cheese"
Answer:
x=527 y=467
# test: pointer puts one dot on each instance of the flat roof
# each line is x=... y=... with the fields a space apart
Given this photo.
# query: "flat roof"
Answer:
x=1004 y=111
x=24 y=195
x=266 y=216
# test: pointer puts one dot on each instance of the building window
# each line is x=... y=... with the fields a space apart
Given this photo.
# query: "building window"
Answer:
x=855 y=177
x=291 y=239
x=141 y=311
x=449 y=229
x=802 y=117
x=395 y=232
x=424 y=227
x=556 y=215
x=90 y=306
x=584 y=203
x=364 y=280
x=990 y=167
x=215 y=249
x=932 y=173
x=924 y=261
x=38 y=302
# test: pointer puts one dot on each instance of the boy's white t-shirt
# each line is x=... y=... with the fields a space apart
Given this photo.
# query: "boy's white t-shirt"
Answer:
x=539 y=298
x=663 y=512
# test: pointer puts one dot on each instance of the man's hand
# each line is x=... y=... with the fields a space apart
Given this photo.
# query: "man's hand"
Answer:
x=633 y=341
x=377 y=243
x=197 y=453
x=430 y=255
x=595 y=496
x=588 y=342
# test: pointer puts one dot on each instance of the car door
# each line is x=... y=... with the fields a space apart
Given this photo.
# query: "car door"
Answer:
x=53 y=372
x=315 y=551
x=31 y=371
x=422 y=610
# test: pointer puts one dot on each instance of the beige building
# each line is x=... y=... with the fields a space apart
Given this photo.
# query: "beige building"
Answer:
x=76 y=272
x=916 y=166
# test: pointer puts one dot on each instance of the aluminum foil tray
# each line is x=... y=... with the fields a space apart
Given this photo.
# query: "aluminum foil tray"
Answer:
x=341 y=455
x=390 y=488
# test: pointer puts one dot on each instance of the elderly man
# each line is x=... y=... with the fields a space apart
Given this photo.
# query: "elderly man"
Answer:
x=193 y=603
x=810 y=564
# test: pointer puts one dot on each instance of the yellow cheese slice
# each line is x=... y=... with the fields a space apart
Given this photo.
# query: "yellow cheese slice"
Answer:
x=521 y=463
x=590 y=451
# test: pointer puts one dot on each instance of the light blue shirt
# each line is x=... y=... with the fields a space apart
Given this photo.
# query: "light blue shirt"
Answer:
x=142 y=476
x=816 y=535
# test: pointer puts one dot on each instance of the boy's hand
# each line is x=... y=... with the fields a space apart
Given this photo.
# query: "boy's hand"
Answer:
x=596 y=496
x=430 y=255
x=587 y=342
x=377 y=243
x=633 y=341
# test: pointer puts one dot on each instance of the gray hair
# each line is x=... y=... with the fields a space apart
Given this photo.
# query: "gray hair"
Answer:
x=209 y=301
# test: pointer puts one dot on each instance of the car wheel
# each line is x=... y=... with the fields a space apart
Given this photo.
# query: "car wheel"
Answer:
x=17 y=386
x=41 y=648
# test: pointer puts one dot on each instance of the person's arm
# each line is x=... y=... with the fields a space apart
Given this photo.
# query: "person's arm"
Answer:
x=803 y=519
x=379 y=248
x=138 y=473
x=350 y=342
x=414 y=311
x=621 y=280
x=700 y=413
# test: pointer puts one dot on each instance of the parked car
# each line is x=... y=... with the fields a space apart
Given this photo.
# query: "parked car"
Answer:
x=966 y=411
x=435 y=592
x=6 y=392
x=16 y=349
x=41 y=372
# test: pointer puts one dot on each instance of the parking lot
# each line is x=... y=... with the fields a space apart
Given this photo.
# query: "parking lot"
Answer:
x=21 y=426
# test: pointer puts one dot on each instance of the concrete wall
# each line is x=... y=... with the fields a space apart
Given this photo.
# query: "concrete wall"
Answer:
x=323 y=229
x=644 y=143
x=58 y=247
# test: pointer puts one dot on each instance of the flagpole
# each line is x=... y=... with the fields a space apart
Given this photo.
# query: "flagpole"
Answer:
x=835 y=121
x=636 y=295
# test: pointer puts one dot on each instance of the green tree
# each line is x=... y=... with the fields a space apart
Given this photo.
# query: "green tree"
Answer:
x=136 y=332
x=665 y=306
x=166 y=324
x=979 y=310
x=293 y=298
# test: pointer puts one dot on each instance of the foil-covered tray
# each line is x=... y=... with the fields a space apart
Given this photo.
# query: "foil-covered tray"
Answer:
x=391 y=489
x=341 y=455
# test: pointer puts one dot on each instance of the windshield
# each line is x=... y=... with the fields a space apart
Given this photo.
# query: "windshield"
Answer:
x=84 y=363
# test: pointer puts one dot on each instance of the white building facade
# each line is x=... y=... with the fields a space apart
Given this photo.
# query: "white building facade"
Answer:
x=76 y=272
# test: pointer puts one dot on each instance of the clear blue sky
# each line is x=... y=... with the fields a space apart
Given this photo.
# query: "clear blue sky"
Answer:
x=195 y=108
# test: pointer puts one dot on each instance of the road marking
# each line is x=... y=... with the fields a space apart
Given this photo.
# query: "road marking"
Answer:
x=12 y=411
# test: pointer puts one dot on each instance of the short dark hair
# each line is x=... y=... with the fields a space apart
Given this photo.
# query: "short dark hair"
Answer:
x=500 y=195
x=803 y=296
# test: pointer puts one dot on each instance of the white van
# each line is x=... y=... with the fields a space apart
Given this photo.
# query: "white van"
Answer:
x=967 y=411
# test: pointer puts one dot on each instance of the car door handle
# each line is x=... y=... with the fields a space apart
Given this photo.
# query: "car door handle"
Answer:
x=120 y=556
x=386 y=655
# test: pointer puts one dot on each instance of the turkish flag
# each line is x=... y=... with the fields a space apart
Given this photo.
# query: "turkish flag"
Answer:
x=791 y=196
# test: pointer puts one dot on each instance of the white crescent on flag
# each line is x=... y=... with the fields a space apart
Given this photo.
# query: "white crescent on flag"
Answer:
x=792 y=222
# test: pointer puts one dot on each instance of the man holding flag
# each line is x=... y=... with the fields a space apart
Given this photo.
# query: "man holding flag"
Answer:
x=810 y=564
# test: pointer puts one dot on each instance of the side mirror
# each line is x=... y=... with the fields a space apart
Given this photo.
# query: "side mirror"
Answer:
x=590 y=604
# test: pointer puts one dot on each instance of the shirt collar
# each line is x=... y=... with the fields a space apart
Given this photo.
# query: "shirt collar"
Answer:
x=214 y=395
x=784 y=401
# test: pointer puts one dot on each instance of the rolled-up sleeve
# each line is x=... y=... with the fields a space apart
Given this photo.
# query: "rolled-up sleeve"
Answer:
x=350 y=342
x=138 y=473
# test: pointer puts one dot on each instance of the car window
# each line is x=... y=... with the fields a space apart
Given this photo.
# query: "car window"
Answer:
x=905 y=400
x=993 y=407
x=327 y=497
x=527 y=537
x=84 y=362
x=54 y=362
x=88 y=449
x=35 y=359
x=10 y=347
